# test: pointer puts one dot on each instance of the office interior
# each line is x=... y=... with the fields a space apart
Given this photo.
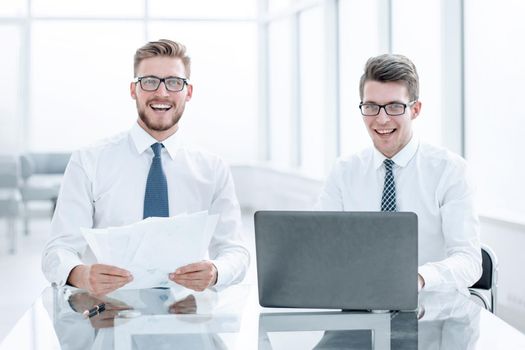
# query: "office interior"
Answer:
x=275 y=94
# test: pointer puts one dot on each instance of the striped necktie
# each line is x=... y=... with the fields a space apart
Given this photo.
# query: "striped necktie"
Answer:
x=156 y=196
x=388 y=201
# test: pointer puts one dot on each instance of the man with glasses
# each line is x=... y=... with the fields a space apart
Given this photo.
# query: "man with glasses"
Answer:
x=147 y=171
x=400 y=173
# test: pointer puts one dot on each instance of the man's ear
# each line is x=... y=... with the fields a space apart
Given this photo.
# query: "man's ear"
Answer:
x=416 y=109
x=132 y=90
x=189 y=92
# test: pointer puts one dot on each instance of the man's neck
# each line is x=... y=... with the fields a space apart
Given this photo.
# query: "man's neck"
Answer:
x=159 y=135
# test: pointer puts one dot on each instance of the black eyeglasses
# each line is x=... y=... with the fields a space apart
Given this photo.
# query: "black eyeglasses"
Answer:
x=392 y=109
x=152 y=83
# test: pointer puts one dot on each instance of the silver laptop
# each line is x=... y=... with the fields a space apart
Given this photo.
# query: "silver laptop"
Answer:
x=337 y=260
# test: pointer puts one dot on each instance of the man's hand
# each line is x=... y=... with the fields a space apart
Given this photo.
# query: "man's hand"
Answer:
x=106 y=318
x=80 y=302
x=99 y=279
x=420 y=282
x=197 y=276
x=187 y=305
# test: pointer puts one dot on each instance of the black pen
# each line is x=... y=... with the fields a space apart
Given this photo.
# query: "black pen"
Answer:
x=94 y=310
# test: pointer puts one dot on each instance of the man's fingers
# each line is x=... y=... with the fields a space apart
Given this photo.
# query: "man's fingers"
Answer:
x=109 y=279
x=198 y=281
x=197 y=285
x=112 y=307
x=197 y=276
x=198 y=266
x=110 y=270
x=189 y=276
x=104 y=279
x=108 y=287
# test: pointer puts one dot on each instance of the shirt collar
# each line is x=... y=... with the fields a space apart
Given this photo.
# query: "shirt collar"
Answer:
x=143 y=141
x=402 y=157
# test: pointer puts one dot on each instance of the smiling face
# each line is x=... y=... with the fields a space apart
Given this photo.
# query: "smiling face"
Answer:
x=389 y=133
x=160 y=110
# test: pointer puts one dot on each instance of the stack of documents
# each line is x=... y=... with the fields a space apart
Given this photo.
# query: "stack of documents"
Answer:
x=154 y=247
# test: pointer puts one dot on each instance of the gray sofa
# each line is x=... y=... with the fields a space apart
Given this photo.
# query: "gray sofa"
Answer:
x=10 y=198
x=41 y=177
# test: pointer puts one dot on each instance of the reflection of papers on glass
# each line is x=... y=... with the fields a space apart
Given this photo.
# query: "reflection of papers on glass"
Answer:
x=215 y=325
x=154 y=247
x=186 y=331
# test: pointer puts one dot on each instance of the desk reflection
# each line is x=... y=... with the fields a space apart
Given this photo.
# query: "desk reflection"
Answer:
x=220 y=321
x=168 y=319
x=448 y=321
x=338 y=330
x=144 y=319
x=445 y=320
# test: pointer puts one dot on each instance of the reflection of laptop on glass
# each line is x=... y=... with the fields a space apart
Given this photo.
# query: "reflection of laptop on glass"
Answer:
x=338 y=330
x=340 y=260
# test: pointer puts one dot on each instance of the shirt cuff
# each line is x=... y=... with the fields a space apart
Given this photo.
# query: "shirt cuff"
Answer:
x=431 y=276
x=59 y=266
x=224 y=275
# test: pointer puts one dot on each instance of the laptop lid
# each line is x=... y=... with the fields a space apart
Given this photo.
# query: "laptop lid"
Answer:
x=340 y=260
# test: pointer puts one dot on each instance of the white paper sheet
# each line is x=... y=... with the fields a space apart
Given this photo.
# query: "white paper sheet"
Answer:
x=152 y=248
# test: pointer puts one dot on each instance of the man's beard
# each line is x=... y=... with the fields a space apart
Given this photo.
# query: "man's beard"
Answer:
x=159 y=126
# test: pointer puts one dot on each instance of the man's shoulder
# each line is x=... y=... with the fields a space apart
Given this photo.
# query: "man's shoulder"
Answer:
x=440 y=155
x=110 y=142
x=358 y=159
x=95 y=150
x=202 y=156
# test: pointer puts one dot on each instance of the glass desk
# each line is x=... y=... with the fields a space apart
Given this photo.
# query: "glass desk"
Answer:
x=232 y=319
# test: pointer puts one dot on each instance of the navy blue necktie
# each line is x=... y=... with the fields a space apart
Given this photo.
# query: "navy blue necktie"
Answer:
x=388 y=201
x=156 y=196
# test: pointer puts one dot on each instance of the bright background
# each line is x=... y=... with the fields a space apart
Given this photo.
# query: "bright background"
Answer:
x=276 y=82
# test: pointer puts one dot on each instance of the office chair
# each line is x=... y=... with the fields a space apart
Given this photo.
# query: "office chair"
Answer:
x=488 y=283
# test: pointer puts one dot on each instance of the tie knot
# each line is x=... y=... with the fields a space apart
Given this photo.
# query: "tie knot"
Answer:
x=157 y=147
x=389 y=163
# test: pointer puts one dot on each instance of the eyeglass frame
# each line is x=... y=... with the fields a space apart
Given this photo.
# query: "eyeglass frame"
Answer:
x=138 y=80
x=405 y=105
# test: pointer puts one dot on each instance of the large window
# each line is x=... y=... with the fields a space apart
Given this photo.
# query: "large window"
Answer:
x=312 y=88
x=222 y=114
x=356 y=18
x=280 y=89
x=494 y=77
x=71 y=62
x=416 y=33
x=297 y=60
x=13 y=8
x=68 y=64
x=202 y=8
x=91 y=8
x=80 y=82
x=10 y=109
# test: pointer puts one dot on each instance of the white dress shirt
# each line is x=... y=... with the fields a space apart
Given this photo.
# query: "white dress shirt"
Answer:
x=104 y=186
x=431 y=182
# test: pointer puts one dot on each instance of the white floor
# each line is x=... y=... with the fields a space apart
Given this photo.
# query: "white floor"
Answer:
x=22 y=280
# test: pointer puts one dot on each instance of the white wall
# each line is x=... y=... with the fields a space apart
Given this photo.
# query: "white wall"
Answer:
x=261 y=186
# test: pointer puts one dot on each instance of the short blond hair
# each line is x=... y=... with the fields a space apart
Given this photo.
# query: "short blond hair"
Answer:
x=162 y=47
x=391 y=68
